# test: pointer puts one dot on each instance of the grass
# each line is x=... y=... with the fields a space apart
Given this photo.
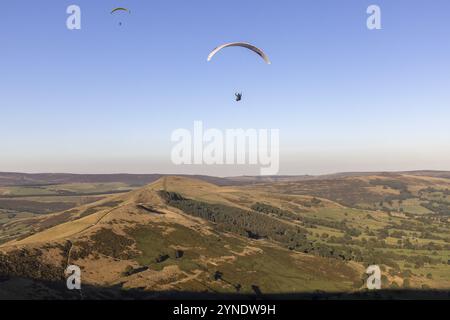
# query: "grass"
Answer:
x=152 y=245
x=273 y=269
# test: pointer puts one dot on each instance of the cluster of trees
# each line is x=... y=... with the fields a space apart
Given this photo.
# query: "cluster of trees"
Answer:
x=393 y=184
x=413 y=226
x=307 y=222
x=259 y=224
x=420 y=260
x=243 y=222
x=401 y=186
x=438 y=207
x=263 y=221
x=268 y=209
x=445 y=192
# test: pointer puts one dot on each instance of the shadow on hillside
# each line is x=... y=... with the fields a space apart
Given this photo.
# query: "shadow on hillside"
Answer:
x=32 y=289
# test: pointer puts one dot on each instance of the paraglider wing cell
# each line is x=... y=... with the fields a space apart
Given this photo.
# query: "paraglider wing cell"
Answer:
x=240 y=44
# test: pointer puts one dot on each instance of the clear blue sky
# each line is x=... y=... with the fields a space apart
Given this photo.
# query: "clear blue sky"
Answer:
x=107 y=97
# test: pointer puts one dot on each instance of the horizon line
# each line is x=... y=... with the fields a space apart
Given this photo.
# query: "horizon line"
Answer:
x=236 y=176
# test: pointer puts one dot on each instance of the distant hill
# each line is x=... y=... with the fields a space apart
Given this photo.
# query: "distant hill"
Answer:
x=30 y=179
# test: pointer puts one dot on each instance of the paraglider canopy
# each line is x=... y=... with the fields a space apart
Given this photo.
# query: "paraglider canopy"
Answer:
x=240 y=44
x=120 y=9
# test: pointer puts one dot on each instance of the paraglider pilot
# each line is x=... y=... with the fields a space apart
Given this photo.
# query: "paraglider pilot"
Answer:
x=238 y=96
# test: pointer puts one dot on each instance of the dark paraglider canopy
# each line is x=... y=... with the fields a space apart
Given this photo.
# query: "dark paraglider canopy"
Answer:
x=120 y=9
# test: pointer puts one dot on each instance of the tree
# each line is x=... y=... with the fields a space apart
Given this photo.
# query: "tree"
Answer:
x=406 y=284
x=384 y=281
x=394 y=285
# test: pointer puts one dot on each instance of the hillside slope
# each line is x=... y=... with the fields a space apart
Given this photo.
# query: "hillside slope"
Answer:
x=140 y=241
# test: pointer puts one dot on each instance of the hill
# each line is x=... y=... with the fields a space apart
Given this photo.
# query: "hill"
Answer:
x=181 y=235
x=41 y=179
